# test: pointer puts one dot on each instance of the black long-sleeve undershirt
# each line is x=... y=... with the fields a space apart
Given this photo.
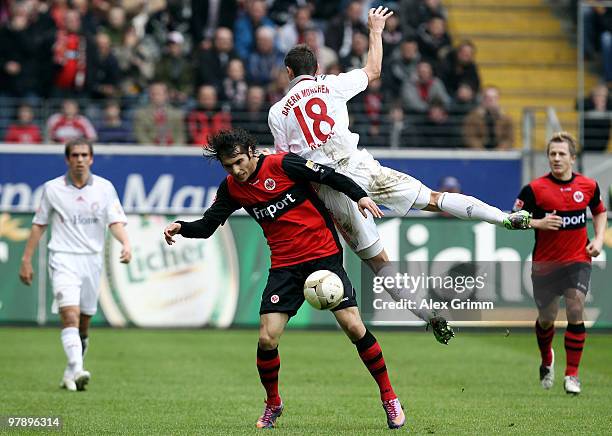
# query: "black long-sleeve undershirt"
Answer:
x=214 y=216
x=297 y=169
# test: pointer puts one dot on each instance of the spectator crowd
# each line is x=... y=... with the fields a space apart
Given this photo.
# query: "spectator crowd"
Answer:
x=597 y=45
x=171 y=72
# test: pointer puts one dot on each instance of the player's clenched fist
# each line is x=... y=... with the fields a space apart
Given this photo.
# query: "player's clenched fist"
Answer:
x=377 y=18
x=170 y=231
x=26 y=273
x=126 y=254
x=594 y=248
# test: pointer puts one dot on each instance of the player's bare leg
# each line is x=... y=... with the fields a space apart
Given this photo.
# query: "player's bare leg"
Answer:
x=381 y=266
x=271 y=327
x=350 y=322
x=545 y=332
x=371 y=354
x=467 y=207
x=575 y=335
x=69 y=316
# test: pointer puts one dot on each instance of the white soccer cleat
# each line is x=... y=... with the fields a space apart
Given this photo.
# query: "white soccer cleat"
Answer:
x=547 y=373
x=68 y=384
x=572 y=385
x=81 y=378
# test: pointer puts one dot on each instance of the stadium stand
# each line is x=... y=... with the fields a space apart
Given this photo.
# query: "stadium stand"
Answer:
x=110 y=50
x=519 y=44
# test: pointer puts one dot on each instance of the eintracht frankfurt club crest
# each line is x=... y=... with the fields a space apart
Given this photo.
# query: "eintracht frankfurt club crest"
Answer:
x=270 y=184
x=578 y=196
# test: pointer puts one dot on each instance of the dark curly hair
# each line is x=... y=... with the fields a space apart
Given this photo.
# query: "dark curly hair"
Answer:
x=229 y=143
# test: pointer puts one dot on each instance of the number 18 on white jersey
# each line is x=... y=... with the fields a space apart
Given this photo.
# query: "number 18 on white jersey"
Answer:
x=312 y=119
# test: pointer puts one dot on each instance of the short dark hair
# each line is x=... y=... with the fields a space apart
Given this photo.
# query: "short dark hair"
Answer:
x=302 y=60
x=79 y=141
x=229 y=143
x=561 y=137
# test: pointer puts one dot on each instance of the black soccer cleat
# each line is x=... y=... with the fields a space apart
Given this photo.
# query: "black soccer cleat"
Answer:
x=81 y=378
x=441 y=330
x=520 y=220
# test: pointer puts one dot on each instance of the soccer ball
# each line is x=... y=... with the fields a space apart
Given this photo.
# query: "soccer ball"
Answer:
x=323 y=289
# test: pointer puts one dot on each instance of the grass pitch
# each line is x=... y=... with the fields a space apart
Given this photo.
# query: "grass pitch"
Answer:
x=205 y=382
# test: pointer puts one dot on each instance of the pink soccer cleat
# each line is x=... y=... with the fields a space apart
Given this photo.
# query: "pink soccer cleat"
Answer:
x=270 y=415
x=395 y=413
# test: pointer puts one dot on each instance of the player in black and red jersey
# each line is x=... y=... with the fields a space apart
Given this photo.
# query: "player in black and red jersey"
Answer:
x=275 y=190
x=562 y=253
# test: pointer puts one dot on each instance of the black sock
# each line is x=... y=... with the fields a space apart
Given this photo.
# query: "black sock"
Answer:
x=84 y=342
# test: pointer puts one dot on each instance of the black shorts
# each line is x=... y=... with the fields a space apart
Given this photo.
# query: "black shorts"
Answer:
x=548 y=286
x=284 y=291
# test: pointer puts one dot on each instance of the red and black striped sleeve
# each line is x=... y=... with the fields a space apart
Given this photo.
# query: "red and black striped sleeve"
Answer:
x=223 y=206
x=299 y=169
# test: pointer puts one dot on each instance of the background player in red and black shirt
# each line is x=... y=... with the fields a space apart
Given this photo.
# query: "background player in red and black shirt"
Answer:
x=562 y=252
x=276 y=191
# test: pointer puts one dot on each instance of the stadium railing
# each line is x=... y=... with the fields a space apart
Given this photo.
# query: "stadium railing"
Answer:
x=413 y=130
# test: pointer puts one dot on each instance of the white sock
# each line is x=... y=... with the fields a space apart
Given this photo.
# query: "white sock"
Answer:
x=399 y=294
x=466 y=207
x=73 y=348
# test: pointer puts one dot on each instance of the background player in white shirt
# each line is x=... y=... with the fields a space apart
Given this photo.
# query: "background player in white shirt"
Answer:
x=79 y=206
x=312 y=121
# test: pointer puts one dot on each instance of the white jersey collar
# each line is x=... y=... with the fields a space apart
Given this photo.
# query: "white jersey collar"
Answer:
x=68 y=180
x=299 y=78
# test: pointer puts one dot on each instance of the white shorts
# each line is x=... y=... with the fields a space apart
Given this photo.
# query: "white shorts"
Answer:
x=395 y=190
x=75 y=279
x=386 y=186
x=359 y=233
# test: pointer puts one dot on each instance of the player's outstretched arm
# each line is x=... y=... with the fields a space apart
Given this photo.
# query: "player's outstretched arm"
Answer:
x=119 y=233
x=300 y=169
x=376 y=24
x=223 y=206
x=26 y=272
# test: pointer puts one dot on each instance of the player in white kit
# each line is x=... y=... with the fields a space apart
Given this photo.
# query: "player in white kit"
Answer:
x=312 y=121
x=79 y=206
